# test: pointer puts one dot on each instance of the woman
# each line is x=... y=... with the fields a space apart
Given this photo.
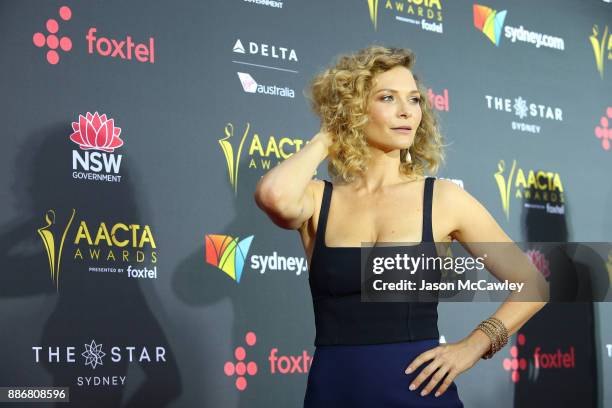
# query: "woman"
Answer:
x=381 y=136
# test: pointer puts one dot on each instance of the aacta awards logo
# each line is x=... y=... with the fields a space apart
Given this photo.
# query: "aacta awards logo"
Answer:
x=124 y=49
x=227 y=253
x=539 y=189
x=97 y=137
x=54 y=243
x=540 y=360
x=113 y=249
x=93 y=355
x=278 y=364
x=260 y=151
x=602 y=47
x=424 y=13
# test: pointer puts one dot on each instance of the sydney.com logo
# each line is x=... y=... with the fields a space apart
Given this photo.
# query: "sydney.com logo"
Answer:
x=229 y=254
x=491 y=23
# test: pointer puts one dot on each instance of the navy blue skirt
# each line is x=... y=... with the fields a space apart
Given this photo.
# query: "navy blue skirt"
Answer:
x=372 y=376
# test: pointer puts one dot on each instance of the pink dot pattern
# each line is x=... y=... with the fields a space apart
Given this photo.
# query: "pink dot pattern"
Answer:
x=603 y=131
x=516 y=364
x=51 y=40
x=241 y=368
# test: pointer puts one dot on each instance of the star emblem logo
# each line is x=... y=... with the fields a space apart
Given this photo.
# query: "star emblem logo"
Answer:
x=93 y=354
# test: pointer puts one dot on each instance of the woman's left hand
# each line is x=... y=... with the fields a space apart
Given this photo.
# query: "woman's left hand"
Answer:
x=448 y=360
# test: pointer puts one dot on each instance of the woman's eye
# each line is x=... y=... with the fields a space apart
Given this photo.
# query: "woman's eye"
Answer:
x=416 y=99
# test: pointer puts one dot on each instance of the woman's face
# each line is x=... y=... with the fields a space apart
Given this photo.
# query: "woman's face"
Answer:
x=393 y=110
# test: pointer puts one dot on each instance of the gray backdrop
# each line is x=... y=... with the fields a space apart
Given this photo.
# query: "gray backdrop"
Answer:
x=195 y=141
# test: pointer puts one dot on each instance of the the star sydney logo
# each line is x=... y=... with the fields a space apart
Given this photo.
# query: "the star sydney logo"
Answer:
x=93 y=354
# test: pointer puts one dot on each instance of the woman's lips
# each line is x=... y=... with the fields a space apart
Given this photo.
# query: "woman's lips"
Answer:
x=402 y=130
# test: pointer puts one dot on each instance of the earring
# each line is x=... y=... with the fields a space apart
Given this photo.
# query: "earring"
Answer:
x=408 y=157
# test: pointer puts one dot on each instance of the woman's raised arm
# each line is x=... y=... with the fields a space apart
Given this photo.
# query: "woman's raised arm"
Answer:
x=286 y=192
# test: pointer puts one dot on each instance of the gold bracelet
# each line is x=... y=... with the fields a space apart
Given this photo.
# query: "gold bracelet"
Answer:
x=497 y=333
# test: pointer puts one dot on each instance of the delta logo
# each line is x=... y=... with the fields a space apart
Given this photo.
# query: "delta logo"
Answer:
x=539 y=360
x=602 y=47
x=278 y=364
x=230 y=255
x=491 y=23
x=113 y=249
x=276 y=52
x=97 y=138
x=524 y=109
x=538 y=189
x=94 y=354
x=603 y=131
x=426 y=14
x=124 y=49
x=263 y=152
x=249 y=85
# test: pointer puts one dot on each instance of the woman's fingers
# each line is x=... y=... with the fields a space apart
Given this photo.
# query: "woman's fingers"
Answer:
x=447 y=382
x=423 y=357
x=435 y=379
x=424 y=374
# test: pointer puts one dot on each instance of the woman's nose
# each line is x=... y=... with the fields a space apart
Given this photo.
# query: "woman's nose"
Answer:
x=403 y=111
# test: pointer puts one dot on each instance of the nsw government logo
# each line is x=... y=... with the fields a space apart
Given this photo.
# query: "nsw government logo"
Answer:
x=97 y=138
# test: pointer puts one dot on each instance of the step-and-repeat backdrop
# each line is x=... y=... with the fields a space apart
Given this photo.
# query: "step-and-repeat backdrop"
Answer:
x=136 y=268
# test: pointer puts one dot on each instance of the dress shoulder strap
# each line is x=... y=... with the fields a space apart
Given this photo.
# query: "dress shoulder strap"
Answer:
x=427 y=205
x=323 y=213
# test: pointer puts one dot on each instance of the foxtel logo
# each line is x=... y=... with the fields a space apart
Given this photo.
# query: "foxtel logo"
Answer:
x=113 y=48
x=249 y=85
x=125 y=49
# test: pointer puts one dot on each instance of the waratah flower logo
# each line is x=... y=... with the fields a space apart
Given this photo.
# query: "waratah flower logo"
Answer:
x=540 y=261
x=96 y=132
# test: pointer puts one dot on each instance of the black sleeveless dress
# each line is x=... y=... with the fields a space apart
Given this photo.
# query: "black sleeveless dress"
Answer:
x=363 y=348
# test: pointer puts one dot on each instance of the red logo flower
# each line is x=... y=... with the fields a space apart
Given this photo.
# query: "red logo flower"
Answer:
x=540 y=261
x=241 y=367
x=603 y=132
x=515 y=364
x=96 y=132
x=52 y=40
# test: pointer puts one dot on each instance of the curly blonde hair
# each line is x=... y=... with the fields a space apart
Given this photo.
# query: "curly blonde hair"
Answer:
x=339 y=96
